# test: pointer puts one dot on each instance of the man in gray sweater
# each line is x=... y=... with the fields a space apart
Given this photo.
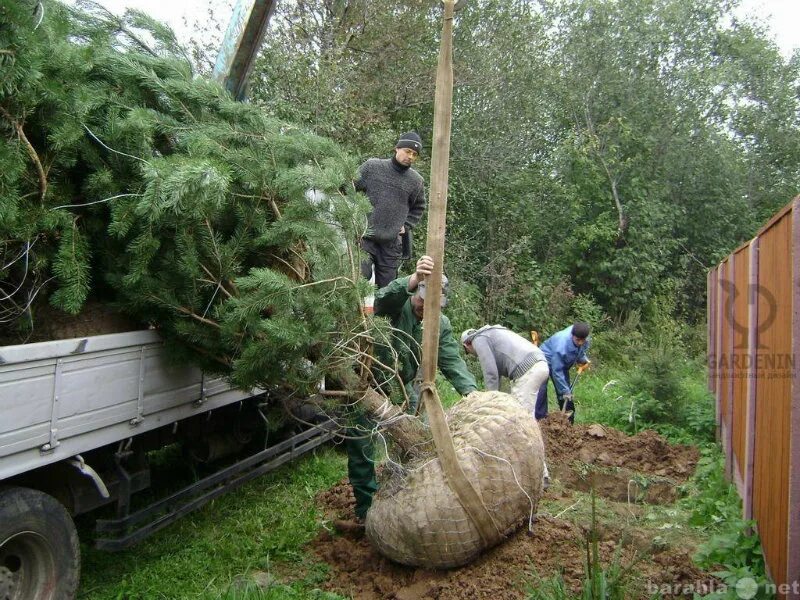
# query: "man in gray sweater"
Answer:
x=397 y=194
x=503 y=353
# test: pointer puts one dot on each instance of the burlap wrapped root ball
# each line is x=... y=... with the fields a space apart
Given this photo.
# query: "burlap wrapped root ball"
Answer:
x=417 y=520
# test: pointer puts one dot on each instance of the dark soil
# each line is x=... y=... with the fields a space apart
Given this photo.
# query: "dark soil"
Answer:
x=52 y=324
x=628 y=469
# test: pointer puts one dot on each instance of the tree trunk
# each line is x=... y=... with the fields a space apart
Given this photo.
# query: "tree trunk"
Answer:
x=405 y=430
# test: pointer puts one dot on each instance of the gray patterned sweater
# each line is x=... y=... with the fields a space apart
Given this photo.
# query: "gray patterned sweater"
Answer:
x=397 y=195
x=503 y=353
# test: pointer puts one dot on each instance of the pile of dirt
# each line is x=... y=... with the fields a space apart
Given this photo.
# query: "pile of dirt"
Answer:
x=646 y=452
x=554 y=545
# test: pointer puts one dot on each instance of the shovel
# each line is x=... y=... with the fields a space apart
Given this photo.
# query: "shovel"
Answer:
x=581 y=368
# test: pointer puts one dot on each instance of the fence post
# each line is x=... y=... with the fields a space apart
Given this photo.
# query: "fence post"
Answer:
x=793 y=534
x=720 y=350
x=730 y=319
x=750 y=412
x=711 y=327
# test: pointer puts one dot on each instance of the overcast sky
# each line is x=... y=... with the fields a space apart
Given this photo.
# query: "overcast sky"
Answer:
x=782 y=16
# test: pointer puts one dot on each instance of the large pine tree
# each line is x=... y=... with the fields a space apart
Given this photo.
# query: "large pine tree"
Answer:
x=126 y=178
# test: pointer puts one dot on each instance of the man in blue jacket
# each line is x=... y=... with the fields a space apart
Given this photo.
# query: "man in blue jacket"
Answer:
x=563 y=349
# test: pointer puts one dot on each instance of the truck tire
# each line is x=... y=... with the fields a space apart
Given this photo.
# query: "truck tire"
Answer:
x=39 y=551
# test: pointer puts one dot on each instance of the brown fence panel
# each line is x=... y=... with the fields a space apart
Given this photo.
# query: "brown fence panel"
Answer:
x=711 y=323
x=754 y=337
x=773 y=393
x=752 y=342
x=718 y=309
x=793 y=529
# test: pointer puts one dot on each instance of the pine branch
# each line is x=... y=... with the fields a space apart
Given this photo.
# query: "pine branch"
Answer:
x=186 y=311
x=218 y=283
x=226 y=362
x=31 y=152
x=289 y=265
x=275 y=208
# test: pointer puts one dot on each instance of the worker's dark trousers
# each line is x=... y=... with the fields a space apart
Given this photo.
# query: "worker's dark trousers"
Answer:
x=541 y=400
x=385 y=257
x=361 y=463
x=360 y=447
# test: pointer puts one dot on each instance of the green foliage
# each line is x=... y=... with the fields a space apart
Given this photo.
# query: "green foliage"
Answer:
x=619 y=343
x=585 y=308
x=163 y=195
x=598 y=148
x=636 y=384
x=463 y=306
x=716 y=504
x=654 y=386
x=734 y=549
x=602 y=582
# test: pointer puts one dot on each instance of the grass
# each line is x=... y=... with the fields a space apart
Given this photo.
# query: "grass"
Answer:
x=615 y=397
x=205 y=554
x=249 y=544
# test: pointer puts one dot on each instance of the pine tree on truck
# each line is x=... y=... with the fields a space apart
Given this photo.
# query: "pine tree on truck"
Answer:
x=125 y=180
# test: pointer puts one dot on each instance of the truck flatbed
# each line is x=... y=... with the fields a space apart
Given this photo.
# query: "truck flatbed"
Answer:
x=62 y=398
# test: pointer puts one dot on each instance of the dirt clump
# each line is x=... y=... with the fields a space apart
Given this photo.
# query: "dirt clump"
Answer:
x=620 y=485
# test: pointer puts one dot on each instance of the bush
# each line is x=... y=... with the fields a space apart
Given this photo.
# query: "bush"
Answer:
x=464 y=306
x=655 y=386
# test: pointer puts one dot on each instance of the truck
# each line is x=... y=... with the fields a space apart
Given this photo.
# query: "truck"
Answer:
x=80 y=418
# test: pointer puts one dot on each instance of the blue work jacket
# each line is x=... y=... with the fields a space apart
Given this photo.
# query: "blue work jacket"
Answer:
x=562 y=353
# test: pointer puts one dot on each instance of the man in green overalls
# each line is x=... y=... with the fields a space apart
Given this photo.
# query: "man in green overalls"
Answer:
x=403 y=303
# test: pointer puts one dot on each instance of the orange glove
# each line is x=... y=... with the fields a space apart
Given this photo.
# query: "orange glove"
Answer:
x=584 y=366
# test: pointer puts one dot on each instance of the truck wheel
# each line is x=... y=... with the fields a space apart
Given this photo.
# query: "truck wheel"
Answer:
x=39 y=552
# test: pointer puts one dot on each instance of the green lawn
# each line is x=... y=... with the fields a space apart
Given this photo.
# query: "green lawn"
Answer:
x=208 y=553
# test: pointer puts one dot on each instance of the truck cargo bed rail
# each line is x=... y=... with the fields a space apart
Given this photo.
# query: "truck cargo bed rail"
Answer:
x=128 y=530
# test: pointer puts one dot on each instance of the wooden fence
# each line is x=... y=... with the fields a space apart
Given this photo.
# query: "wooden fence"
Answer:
x=753 y=340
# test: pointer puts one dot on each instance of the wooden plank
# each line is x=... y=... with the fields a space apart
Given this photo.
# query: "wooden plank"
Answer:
x=239 y=48
x=468 y=495
x=718 y=343
x=740 y=359
x=711 y=351
x=771 y=460
x=793 y=533
x=724 y=359
x=730 y=321
x=777 y=217
x=752 y=345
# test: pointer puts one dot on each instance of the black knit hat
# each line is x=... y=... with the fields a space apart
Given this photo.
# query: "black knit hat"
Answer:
x=410 y=140
x=581 y=330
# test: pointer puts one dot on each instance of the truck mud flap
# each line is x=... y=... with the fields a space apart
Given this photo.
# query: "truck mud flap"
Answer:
x=123 y=532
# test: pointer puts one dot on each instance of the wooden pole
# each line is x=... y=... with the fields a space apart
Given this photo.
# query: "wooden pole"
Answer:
x=437 y=213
